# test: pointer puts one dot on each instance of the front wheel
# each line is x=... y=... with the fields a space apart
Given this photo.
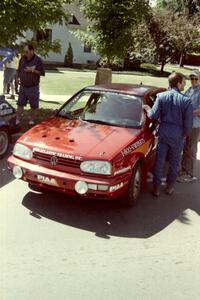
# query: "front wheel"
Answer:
x=4 y=142
x=133 y=192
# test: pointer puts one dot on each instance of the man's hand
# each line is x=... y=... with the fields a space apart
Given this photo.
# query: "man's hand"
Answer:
x=28 y=70
x=146 y=107
x=196 y=112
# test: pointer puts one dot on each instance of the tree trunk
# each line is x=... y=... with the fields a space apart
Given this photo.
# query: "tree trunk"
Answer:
x=103 y=76
x=181 y=60
x=162 y=66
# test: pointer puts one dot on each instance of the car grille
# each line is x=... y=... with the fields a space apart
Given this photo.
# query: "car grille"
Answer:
x=61 y=161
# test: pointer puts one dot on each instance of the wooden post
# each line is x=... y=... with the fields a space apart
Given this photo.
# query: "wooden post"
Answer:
x=103 y=76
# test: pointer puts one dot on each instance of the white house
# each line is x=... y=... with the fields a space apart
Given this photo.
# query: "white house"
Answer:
x=82 y=53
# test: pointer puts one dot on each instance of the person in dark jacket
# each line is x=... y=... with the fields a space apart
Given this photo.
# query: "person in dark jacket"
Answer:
x=29 y=72
x=174 y=112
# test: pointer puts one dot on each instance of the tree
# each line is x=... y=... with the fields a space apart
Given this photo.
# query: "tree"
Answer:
x=189 y=7
x=111 y=25
x=164 y=35
x=185 y=35
x=69 y=57
x=16 y=17
x=158 y=29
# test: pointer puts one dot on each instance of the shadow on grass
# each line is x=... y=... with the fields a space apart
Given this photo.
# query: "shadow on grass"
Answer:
x=51 y=102
x=133 y=71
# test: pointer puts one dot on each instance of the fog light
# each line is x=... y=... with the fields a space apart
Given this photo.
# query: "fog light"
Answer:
x=17 y=172
x=102 y=187
x=81 y=187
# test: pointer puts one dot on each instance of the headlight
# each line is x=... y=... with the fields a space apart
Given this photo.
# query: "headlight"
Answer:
x=96 y=167
x=22 y=151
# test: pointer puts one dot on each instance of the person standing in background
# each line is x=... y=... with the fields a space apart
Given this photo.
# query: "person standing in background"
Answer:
x=29 y=72
x=191 y=145
x=10 y=72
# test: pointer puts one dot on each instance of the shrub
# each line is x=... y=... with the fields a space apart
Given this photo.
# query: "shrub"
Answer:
x=69 y=57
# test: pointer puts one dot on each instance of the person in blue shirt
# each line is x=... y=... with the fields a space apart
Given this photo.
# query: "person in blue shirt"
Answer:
x=173 y=110
x=191 y=145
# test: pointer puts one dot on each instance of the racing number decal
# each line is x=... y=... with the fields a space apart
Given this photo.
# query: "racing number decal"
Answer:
x=141 y=145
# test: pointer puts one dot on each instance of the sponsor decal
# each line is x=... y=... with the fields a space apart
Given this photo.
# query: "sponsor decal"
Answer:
x=122 y=170
x=57 y=154
x=132 y=147
x=5 y=109
x=116 y=187
x=47 y=180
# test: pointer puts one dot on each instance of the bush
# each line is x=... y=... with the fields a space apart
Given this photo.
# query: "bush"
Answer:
x=69 y=57
x=132 y=63
x=115 y=64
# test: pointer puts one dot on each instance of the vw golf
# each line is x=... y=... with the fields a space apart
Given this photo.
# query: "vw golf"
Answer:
x=100 y=144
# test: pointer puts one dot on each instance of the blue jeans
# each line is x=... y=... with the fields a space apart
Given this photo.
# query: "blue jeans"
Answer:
x=173 y=153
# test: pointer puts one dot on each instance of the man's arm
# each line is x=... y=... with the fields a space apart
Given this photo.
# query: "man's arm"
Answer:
x=18 y=70
x=188 y=118
x=154 y=113
x=39 y=70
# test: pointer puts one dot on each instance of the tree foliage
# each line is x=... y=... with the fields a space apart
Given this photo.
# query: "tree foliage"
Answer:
x=189 y=7
x=162 y=36
x=111 y=24
x=16 y=17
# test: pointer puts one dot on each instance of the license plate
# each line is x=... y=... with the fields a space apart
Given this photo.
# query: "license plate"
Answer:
x=47 y=180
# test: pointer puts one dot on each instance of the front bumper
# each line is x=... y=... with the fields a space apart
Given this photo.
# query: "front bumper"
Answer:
x=64 y=182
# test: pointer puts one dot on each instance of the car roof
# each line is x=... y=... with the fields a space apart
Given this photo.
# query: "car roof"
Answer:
x=132 y=89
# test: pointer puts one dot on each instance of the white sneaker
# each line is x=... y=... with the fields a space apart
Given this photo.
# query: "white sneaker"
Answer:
x=186 y=178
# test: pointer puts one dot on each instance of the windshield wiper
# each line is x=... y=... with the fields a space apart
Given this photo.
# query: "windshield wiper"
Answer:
x=67 y=116
x=99 y=122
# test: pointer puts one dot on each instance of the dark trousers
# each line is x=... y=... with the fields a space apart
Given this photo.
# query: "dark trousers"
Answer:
x=190 y=152
x=173 y=154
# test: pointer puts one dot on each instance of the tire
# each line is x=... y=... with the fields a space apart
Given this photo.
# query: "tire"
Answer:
x=134 y=189
x=4 y=141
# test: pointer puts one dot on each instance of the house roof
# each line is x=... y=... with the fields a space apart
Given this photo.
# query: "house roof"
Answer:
x=74 y=9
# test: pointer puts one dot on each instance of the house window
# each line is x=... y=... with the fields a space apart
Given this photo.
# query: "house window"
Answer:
x=87 y=48
x=44 y=35
x=73 y=20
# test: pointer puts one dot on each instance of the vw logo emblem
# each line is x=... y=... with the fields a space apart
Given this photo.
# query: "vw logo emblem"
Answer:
x=54 y=160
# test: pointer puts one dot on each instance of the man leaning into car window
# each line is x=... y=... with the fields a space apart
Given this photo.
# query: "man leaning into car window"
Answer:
x=174 y=112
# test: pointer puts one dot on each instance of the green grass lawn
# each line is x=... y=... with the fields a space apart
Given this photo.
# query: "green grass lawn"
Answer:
x=68 y=82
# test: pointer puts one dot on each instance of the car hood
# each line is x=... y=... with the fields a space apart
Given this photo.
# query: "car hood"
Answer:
x=79 y=138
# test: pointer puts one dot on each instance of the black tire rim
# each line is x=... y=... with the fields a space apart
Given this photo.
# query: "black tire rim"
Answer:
x=4 y=141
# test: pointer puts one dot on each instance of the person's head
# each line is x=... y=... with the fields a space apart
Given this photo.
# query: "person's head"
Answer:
x=177 y=80
x=29 y=51
x=195 y=78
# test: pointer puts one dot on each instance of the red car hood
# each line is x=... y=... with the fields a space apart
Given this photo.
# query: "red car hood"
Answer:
x=79 y=138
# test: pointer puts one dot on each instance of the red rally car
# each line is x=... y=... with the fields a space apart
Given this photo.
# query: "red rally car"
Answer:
x=100 y=144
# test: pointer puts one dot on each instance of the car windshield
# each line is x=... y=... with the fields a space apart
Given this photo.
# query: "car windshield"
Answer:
x=105 y=108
